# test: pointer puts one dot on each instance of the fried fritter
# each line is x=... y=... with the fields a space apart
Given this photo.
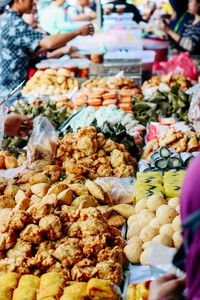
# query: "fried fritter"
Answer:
x=51 y=226
x=95 y=190
x=69 y=253
x=85 y=201
x=116 y=220
x=32 y=233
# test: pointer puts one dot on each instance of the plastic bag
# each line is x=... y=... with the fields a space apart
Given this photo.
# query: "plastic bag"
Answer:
x=43 y=141
x=194 y=112
x=41 y=145
x=3 y=114
x=181 y=64
x=121 y=189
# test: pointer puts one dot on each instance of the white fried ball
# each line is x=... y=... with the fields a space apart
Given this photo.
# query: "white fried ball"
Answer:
x=173 y=202
x=134 y=230
x=166 y=214
x=146 y=245
x=177 y=239
x=144 y=256
x=133 y=252
x=155 y=201
x=131 y=219
x=140 y=205
x=167 y=229
x=177 y=223
x=154 y=223
x=163 y=239
x=145 y=216
x=135 y=240
x=148 y=233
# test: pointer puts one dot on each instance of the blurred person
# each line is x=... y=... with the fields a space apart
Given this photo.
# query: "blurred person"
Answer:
x=189 y=38
x=19 y=42
x=32 y=20
x=169 y=286
x=180 y=15
x=130 y=8
x=82 y=11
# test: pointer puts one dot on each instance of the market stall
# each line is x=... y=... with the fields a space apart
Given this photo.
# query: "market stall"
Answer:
x=82 y=214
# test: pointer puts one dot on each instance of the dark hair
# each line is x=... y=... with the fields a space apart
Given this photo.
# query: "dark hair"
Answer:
x=4 y=3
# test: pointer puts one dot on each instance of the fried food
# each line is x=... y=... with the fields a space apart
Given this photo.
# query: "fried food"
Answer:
x=116 y=220
x=125 y=210
x=51 y=226
x=95 y=190
x=88 y=152
x=32 y=233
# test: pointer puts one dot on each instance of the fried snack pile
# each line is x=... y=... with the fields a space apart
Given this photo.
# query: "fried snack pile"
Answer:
x=111 y=83
x=170 y=80
x=51 y=82
x=155 y=220
x=138 y=291
x=40 y=232
x=89 y=153
x=103 y=97
x=177 y=140
x=53 y=286
x=8 y=161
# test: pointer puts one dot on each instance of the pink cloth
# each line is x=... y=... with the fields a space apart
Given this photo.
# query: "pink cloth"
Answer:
x=190 y=203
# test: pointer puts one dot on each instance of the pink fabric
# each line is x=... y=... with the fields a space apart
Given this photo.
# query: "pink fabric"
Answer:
x=190 y=202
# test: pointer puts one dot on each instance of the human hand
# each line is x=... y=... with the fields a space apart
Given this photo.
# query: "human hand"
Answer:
x=69 y=49
x=16 y=125
x=92 y=15
x=166 y=286
x=162 y=25
x=87 y=30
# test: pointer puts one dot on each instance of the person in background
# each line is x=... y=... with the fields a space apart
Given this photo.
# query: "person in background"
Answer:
x=32 y=20
x=130 y=8
x=168 y=285
x=19 y=42
x=16 y=125
x=180 y=15
x=189 y=38
x=81 y=12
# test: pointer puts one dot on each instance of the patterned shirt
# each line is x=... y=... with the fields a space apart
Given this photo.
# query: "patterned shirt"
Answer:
x=17 y=42
x=190 y=38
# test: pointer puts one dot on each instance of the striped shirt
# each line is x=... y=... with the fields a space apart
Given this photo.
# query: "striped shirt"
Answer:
x=190 y=38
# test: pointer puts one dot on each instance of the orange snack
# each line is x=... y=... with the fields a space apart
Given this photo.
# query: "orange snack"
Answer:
x=126 y=93
x=94 y=96
x=94 y=102
x=125 y=100
x=125 y=106
x=109 y=102
x=111 y=95
x=80 y=102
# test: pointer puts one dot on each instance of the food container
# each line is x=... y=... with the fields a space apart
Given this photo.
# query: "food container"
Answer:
x=120 y=8
x=83 y=71
x=143 y=166
x=107 y=9
x=97 y=57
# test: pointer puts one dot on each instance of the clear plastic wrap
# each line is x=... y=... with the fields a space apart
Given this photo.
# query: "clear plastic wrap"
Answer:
x=42 y=145
x=194 y=111
x=43 y=141
x=121 y=188
x=3 y=114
